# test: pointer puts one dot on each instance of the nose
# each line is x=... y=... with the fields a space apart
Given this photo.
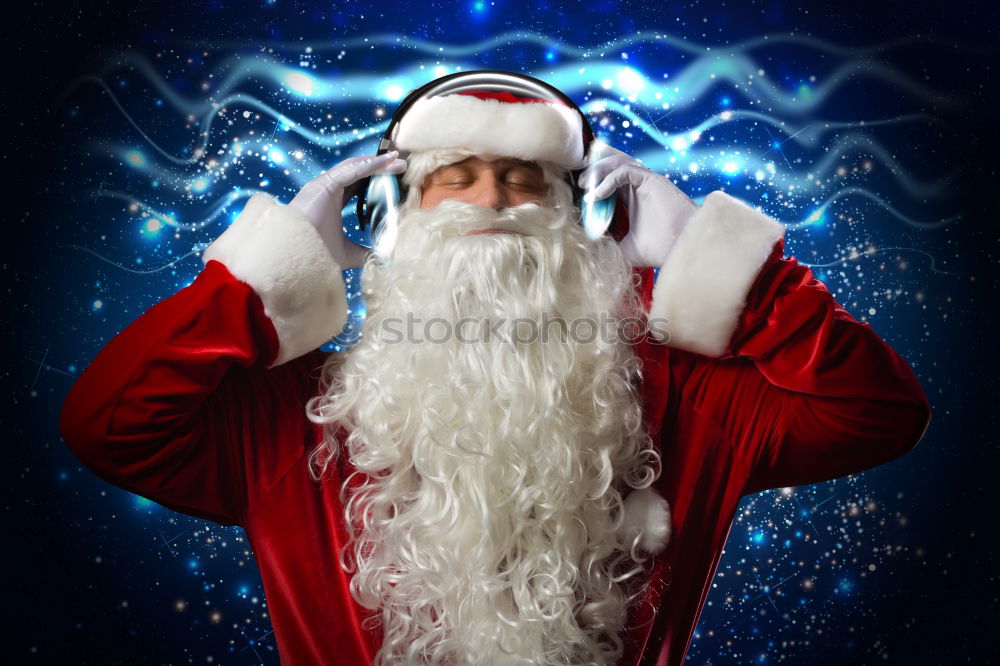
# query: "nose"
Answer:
x=489 y=192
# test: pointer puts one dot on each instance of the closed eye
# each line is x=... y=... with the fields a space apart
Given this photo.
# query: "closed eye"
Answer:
x=528 y=185
x=454 y=176
x=525 y=179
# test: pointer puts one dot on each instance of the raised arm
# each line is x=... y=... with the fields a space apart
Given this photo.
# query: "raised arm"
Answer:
x=171 y=406
x=182 y=407
x=803 y=391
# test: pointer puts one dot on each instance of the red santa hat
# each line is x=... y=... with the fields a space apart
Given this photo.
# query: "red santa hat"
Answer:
x=495 y=123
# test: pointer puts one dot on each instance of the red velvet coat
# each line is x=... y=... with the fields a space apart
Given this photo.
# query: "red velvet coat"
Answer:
x=194 y=407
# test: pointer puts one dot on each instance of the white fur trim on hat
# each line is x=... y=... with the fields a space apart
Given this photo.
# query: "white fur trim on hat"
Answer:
x=701 y=290
x=534 y=131
x=273 y=249
x=647 y=514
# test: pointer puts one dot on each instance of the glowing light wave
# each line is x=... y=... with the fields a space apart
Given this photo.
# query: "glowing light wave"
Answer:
x=683 y=90
x=290 y=152
x=550 y=43
x=858 y=191
x=216 y=209
x=868 y=252
x=100 y=256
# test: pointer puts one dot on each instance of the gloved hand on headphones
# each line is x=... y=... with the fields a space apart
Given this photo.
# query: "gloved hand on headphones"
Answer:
x=322 y=199
x=657 y=209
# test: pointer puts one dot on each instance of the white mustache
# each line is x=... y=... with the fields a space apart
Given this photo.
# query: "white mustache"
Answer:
x=453 y=220
x=456 y=218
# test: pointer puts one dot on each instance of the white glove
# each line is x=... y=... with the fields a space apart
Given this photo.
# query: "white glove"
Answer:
x=657 y=210
x=322 y=199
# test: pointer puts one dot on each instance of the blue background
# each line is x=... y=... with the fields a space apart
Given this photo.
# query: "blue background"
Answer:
x=135 y=132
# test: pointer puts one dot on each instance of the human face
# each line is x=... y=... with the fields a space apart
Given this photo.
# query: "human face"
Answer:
x=496 y=184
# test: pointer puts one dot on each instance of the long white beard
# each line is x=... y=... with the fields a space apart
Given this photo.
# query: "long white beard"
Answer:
x=486 y=517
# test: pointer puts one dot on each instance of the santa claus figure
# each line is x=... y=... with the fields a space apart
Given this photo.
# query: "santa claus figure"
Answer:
x=534 y=453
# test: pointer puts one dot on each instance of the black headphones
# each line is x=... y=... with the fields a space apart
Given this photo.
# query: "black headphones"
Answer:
x=382 y=194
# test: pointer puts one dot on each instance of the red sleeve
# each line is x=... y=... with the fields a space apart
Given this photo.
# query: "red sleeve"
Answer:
x=203 y=397
x=805 y=392
x=801 y=391
x=844 y=400
x=159 y=411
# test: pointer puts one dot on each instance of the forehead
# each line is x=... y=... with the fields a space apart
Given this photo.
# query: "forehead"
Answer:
x=491 y=162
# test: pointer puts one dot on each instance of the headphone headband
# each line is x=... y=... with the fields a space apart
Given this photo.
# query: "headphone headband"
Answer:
x=495 y=81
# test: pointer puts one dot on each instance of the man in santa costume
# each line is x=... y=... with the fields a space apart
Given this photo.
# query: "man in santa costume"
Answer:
x=494 y=474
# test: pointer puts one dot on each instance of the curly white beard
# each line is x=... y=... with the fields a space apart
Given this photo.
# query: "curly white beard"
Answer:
x=486 y=515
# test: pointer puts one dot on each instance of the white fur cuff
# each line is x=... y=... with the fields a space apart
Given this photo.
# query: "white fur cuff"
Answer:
x=273 y=249
x=648 y=515
x=702 y=288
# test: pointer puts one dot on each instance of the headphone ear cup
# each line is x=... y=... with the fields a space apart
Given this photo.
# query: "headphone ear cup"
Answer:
x=361 y=208
x=598 y=217
x=619 y=222
x=382 y=198
x=382 y=201
x=378 y=198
